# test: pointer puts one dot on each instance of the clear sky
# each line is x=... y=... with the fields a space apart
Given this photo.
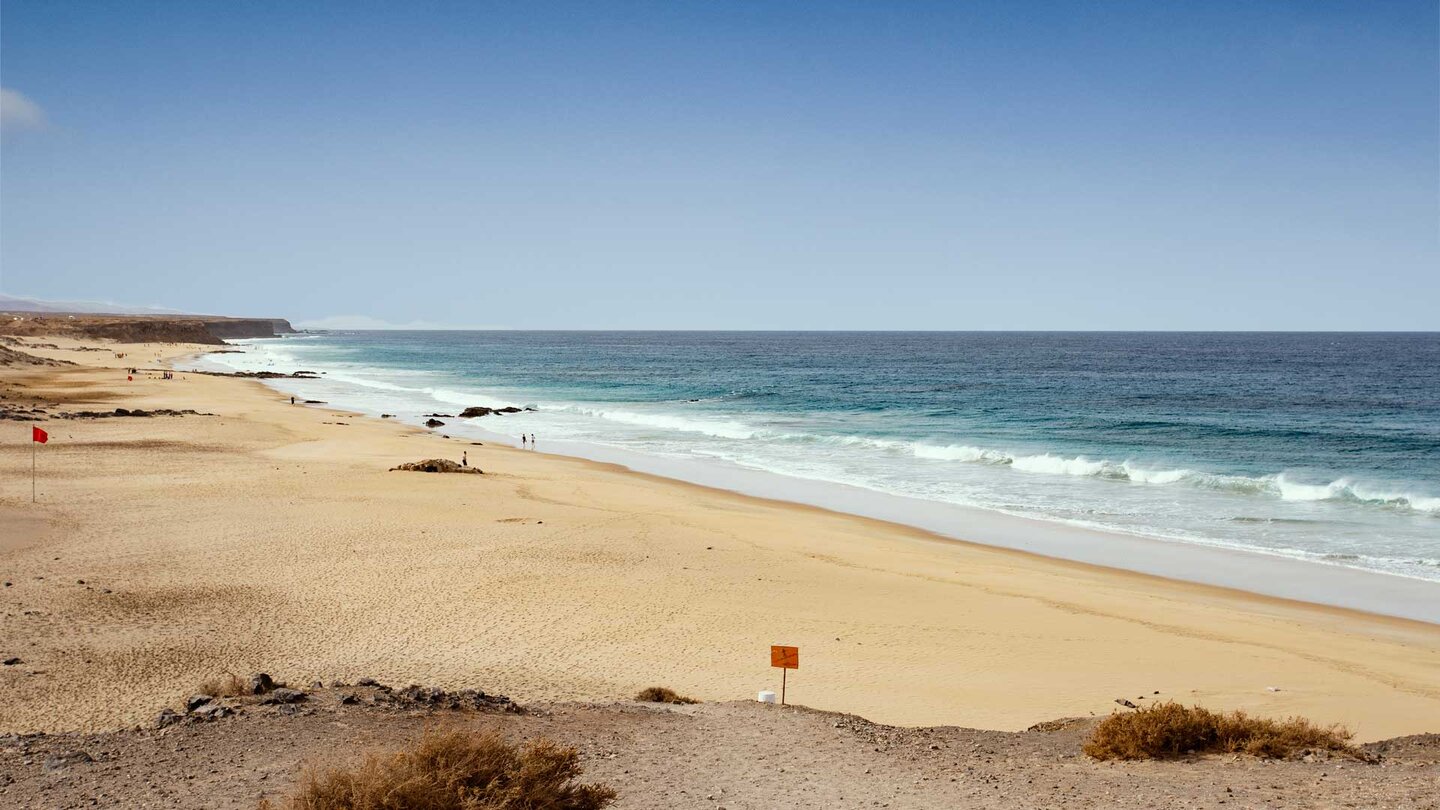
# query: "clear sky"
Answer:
x=885 y=165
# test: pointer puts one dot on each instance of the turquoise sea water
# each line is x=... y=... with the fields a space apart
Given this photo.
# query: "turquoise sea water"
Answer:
x=1316 y=446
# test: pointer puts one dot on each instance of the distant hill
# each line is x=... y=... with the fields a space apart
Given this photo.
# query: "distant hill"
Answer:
x=127 y=324
x=13 y=303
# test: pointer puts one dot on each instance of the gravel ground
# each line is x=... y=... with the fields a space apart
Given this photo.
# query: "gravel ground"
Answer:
x=730 y=755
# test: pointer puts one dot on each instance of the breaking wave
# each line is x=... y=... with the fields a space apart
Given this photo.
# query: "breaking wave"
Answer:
x=725 y=429
x=1279 y=485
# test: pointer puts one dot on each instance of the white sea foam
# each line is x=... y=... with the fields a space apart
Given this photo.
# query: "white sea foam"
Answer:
x=961 y=452
x=727 y=429
x=466 y=398
x=1280 y=485
x=1059 y=465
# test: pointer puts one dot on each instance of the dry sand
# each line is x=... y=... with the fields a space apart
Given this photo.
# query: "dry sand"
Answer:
x=272 y=537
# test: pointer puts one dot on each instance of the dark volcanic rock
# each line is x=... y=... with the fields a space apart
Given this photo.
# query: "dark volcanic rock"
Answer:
x=122 y=412
x=436 y=465
x=168 y=717
x=196 y=701
x=261 y=375
x=479 y=410
x=433 y=423
x=437 y=698
x=260 y=683
x=283 y=695
x=213 y=711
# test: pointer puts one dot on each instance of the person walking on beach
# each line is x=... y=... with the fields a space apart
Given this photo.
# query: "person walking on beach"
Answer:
x=464 y=458
x=523 y=440
x=532 y=441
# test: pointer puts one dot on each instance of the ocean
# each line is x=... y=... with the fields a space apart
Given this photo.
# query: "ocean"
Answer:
x=1322 y=447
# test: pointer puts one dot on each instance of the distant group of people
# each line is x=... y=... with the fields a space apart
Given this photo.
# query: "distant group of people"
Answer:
x=132 y=373
x=527 y=441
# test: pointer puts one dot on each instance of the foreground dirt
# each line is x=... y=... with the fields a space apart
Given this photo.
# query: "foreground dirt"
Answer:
x=730 y=755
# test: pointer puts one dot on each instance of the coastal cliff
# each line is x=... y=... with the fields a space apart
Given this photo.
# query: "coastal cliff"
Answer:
x=142 y=328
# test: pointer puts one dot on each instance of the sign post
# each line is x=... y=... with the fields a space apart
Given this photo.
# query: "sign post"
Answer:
x=37 y=436
x=786 y=659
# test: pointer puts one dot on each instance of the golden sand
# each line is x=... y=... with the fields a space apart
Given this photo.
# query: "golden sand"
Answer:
x=272 y=537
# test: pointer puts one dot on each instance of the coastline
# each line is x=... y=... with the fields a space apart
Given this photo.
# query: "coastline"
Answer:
x=1250 y=570
x=623 y=587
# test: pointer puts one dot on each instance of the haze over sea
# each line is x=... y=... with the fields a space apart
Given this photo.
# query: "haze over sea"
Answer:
x=1318 y=446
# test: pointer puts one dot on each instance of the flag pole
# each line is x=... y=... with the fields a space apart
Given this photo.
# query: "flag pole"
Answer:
x=32 y=463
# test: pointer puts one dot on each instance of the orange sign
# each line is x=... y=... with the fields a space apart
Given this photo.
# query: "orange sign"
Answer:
x=784 y=657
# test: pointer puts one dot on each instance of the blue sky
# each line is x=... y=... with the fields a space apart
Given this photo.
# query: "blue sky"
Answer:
x=1081 y=165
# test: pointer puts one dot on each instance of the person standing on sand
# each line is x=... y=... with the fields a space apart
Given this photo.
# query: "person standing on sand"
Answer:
x=464 y=458
x=523 y=440
x=292 y=400
x=532 y=441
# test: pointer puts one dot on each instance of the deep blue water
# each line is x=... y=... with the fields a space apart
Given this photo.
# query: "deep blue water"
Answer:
x=1322 y=446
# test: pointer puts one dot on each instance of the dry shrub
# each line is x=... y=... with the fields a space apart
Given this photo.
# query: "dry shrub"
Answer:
x=455 y=771
x=227 y=685
x=1167 y=730
x=661 y=694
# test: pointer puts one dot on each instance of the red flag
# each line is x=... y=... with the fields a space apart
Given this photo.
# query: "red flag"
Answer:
x=38 y=435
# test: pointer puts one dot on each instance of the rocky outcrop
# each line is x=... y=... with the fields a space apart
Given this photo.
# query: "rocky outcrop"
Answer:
x=10 y=357
x=129 y=412
x=434 y=423
x=262 y=375
x=284 y=695
x=433 y=697
x=436 y=465
x=249 y=327
x=478 y=410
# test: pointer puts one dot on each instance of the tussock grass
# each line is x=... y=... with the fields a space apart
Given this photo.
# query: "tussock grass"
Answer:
x=661 y=694
x=1168 y=730
x=226 y=685
x=455 y=771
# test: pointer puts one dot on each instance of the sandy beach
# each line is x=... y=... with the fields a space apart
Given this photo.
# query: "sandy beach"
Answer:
x=266 y=536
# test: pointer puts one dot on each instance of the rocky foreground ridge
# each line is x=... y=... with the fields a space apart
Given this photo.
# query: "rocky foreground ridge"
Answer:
x=217 y=751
